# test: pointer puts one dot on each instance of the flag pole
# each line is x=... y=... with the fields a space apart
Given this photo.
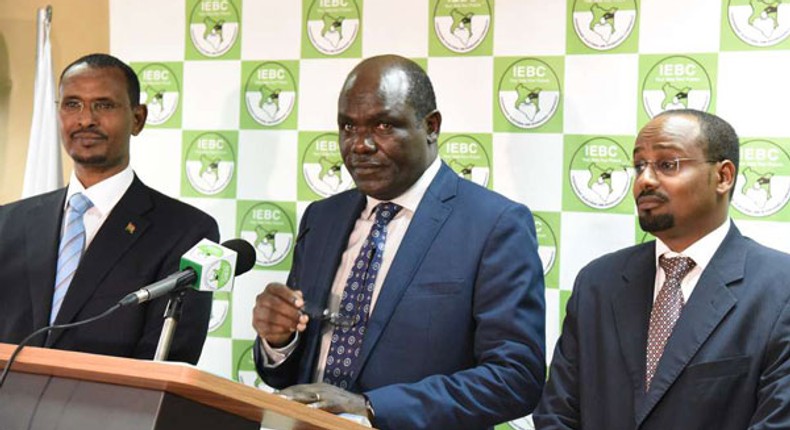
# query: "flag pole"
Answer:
x=43 y=171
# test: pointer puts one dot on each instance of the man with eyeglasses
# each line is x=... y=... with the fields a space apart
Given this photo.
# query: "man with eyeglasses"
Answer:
x=691 y=331
x=70 y=254
x=445 y=330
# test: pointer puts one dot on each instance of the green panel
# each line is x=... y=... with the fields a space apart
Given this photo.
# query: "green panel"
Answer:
x=213 y=30
x=209 y=164
x=270 y=227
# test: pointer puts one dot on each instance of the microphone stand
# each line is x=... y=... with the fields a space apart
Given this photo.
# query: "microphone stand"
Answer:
x=172 y=314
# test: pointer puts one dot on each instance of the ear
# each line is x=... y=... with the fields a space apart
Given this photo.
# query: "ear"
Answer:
x=725 y=177
x=139 y=113
x=433 y=125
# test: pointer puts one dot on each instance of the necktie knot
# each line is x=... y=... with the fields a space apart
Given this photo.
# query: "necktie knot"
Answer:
x=80 y=204
x=676 y=268
x=385 y=212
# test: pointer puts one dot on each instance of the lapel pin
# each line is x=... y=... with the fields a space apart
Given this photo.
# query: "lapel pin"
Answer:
x=130 y=228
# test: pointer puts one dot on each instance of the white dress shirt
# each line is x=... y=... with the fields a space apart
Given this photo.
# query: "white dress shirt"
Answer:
x=396 y=229
x=104 y=196
x=700 y=251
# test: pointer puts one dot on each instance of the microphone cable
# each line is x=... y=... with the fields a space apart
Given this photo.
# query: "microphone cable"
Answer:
x=18 y=349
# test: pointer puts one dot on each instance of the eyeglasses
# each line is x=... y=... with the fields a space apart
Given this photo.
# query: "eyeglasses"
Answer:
x=665 y=166
x=333 y=318
x=98 y=107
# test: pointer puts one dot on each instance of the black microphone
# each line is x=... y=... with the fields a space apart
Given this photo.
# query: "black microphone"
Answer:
x=205 y=267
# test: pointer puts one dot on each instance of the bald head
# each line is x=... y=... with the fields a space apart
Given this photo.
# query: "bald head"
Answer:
x=397 y=75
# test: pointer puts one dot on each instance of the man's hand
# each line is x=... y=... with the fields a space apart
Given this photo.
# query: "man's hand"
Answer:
x=276 y=315
x=327 y=397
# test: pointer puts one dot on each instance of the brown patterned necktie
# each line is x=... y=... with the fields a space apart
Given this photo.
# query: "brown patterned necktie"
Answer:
x=666 y=310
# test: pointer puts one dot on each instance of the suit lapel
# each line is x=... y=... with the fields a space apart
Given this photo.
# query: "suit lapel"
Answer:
x=42 y=236
x=336 y=240
x=431 y=214
x=710 y=302
x=631 y=307
x=111 y=242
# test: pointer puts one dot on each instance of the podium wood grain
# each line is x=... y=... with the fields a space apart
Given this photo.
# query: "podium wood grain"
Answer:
x=177 y=378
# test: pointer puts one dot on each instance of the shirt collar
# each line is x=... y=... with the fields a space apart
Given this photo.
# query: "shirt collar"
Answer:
x=410 y=199
x=700 y=251
x=105 y=194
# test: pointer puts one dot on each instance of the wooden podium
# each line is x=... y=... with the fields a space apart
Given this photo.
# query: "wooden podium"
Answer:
x=64 y=390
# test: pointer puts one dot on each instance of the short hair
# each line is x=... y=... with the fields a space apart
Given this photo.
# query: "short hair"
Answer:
x=103 y=61
x=421 y=96
x=717 y=137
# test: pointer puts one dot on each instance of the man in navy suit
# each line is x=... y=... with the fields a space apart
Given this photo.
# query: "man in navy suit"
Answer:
x=450 y=334
x=131 y=235
x=691 y=331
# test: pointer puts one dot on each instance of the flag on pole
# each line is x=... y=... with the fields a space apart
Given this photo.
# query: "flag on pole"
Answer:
x=43 y=170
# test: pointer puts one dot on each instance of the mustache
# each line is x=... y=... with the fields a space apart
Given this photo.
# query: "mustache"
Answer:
x=652 y=193
x=88 y=132
x=367 y=161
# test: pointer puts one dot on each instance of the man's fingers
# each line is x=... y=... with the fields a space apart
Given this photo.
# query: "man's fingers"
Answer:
x=287 y=295
x=275 y=316
x=300 y=395
x=324 y=405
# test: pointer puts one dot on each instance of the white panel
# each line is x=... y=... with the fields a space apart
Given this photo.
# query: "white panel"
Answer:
x=401 y=28
x=320 y=82
x=212 y=91
x=679 y=26
x=753 y=92
x=267 y=165
x=601 y=94
x=223 y=211
x=529 y=28
x=528 y=168
x=271 y=30
x=464 y=92
x=155 y=155
x=217 y=357
x=587 y=236
x=146 y=30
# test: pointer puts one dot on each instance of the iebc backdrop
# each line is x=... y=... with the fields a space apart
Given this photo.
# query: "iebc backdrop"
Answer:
x=541 y=101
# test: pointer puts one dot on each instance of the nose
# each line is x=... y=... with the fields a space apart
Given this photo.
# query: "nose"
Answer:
x=86 y=117
x=647 y=179
x=364 y=143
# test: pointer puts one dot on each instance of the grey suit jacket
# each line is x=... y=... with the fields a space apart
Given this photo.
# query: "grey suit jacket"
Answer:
x=726 y=365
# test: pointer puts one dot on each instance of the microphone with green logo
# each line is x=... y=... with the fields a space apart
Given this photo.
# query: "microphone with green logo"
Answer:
x=207 y=266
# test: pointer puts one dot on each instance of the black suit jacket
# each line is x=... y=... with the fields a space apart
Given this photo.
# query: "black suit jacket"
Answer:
x=725 y=366
x=141 y=241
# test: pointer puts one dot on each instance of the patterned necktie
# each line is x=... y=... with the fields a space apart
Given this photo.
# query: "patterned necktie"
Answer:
x=71 y=246
x=666 y=310
x=355 y=303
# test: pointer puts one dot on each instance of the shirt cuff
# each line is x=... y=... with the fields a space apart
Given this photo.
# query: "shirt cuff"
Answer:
x=273 y=357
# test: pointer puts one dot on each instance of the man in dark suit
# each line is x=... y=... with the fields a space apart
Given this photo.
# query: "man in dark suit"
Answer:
x=128 y=236
x=691 y=331
x=450 y=319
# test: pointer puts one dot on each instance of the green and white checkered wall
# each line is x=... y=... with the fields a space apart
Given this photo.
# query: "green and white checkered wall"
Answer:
x=541 y=102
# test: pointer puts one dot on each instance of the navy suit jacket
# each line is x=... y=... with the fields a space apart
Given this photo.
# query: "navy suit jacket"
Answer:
x=725 y=366
x=140 y=242
x=456 y=338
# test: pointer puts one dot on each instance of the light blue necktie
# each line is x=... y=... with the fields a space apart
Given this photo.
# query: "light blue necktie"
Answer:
x=71 y=246
x=347 y=341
